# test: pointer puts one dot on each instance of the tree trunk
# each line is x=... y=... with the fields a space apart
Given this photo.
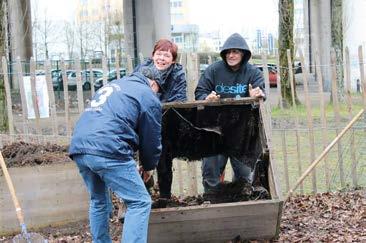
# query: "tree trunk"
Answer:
x=285 y=41
x=3 y=28
x=337 y=41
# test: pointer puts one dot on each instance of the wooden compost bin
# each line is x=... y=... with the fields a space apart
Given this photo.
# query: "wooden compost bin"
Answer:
x=208 y=135
x=49 y=195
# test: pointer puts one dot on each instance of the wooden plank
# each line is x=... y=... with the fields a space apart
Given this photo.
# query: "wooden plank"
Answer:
x=183 y=62
x=192 y=75
x=349 y=108
x=129 y=68
x=279 y=81
x=294 y=108
x=79 y=86
x=203 y=103
x=265 y=73
x=117 y=65
x=362 y=75
x=33 y=87
x=22 y=97
x=141 y=57
x=92 y=88
x=274 y=184
x=9 y=104
x=51 y=95
x=179 y=177
x=66 y=98
x=309 y=118
x=267 y=92
x=192 y=178
x=285 y=164
x=215 y=223
x=337 y=114
x=105 y=70
x=323 y=118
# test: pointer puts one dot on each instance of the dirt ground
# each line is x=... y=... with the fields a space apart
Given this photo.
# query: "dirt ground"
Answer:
x=327 y=217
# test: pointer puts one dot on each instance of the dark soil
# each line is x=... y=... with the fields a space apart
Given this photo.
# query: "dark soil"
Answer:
x=21 y=154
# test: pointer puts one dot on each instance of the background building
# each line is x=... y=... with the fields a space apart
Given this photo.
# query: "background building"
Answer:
x=183 y=32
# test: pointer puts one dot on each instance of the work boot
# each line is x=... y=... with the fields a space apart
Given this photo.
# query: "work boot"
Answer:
x=160 y=203
x=212 y=197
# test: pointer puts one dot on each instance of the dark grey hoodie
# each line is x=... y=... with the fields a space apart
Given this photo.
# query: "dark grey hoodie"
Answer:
x=219 y=77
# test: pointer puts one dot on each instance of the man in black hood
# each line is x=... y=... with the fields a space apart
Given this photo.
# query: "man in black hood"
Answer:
x=231 y=77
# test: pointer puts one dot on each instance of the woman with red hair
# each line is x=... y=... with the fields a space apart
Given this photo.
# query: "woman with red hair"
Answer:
x=173 y=87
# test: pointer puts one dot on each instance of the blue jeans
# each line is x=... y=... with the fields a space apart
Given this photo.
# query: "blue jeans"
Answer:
x=122 y=177
x=213 y=166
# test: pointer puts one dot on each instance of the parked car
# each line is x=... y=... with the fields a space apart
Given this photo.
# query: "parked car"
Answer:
x=203 y=68
x=85 y=78
x=298 y=68
x=112 y=75
x=57 y=79
x=272 y=72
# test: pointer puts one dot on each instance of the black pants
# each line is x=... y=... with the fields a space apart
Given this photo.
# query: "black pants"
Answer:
x=165 y=174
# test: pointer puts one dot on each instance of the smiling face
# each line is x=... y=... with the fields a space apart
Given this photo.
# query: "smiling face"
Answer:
x=162 y=59
x=234 y=58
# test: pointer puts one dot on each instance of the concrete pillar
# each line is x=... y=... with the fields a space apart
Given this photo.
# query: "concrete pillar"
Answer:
x=152 y=22
x=20 y=29
x=320 y=27
x=307 y=40
x=354 y=22
x=128 y=23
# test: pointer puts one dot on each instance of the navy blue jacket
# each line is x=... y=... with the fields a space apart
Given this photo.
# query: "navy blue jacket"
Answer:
x=219 y=77
x=173 y=84
x=123 y=116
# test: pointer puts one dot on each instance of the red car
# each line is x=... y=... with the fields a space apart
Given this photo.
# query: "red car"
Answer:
x=272 y=72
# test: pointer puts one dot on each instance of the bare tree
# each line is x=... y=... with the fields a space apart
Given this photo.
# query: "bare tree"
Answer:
x=285 y=41
x=337 y=41
x=69 y=30
x=45 y=34
x=116 y=35
x=3 y=28
x=85 y=33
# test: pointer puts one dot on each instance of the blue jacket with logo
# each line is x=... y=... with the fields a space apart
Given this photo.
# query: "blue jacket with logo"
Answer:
x=123 y=116
x=173 y=82
x=219 y=77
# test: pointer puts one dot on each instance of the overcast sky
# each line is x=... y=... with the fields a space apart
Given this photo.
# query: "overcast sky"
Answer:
x=229 y=16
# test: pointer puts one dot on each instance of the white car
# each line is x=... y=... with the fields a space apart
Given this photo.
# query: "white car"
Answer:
x=85 y=78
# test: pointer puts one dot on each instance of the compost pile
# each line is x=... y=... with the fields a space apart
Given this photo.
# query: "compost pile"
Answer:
x=21 y=154
x=327 y=217
x=237 y=191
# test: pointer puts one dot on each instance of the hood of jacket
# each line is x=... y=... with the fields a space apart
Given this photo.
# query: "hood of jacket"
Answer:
x=236 y=41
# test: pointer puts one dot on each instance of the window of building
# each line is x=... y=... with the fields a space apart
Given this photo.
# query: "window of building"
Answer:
x=176 y=4
x=178 y=39
x=84 y=13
